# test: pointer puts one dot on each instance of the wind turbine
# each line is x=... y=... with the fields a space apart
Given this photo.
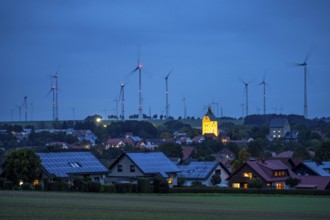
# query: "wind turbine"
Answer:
x=52 y=90
x=56 y=96
x=25 y=104
x=122 y=100
x=184 y=108
x=140 y=107
x=263 y=82
x=166 y=94
x=246 y=85
x=304 y=64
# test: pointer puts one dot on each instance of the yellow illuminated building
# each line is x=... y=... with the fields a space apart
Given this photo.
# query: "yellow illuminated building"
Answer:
x=210 y=124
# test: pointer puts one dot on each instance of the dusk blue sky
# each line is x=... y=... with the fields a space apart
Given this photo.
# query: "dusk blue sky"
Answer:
x=212 y=45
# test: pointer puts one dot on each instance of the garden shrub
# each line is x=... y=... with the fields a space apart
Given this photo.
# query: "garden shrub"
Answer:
x=8 y=185
x=52 y=186
x=109 y=188
x=123 y=187
x=26 y=186
x=38 y=187
x=93 y=186
x=160 y=185
x=143 y=185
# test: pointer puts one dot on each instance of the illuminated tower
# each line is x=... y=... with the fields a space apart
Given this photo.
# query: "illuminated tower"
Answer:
x=210 y=123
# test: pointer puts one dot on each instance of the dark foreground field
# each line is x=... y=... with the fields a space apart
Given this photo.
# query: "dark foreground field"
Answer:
x=48 y=205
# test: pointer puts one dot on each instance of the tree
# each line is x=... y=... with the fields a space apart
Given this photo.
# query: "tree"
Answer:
x=242 y=157
x=256 y=147
x=292 y=182
x=171 y=149
x=255 y=183
x=216 y=179
x=22 y=165
x=301 y=153
x=323 y=152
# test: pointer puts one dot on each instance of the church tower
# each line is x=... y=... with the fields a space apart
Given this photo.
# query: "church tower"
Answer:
x=210 y=123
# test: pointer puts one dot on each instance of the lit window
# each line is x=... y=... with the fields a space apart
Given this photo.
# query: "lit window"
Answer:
x=247 y=175
x=279 y=173
x=279 y=185
x=236 y=185
x=35 y=182
x=132 y=168
x=274 y=136
x=245 y=185
x=170 y=180
x=273 y=131
x=119 y=168
x=278 y=136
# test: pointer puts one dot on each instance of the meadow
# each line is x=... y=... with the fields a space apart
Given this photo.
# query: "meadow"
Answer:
x=57 y=205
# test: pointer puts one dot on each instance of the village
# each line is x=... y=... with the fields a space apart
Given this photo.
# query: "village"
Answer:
x=184 y=158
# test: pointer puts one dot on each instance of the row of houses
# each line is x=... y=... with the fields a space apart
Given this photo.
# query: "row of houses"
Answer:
x=129 y=167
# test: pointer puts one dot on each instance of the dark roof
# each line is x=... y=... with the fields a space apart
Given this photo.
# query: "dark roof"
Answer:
x=187 y=152
x=317 y=182
x=150 y=163
x=266 y=168
x=61 y=164
x=197 y=170
x=278 y=122
x=210 y=114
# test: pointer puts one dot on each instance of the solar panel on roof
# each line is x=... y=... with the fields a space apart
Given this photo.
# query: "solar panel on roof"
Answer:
x=60 y=164
x=155 y=162
x=197 y=170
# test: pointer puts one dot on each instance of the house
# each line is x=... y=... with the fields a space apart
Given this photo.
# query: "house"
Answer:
x=132 y=166
x=184 y=140
x=199 y=139
x=69 y=165
x=310 y=168
x=278 y=128
x=272 y=174
x=291 y=136
x=114 y=143
x=210 y=123
x=187 y=152
x=202 y=172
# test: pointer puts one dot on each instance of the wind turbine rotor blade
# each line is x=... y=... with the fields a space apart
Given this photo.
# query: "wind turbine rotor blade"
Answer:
x=169 y=73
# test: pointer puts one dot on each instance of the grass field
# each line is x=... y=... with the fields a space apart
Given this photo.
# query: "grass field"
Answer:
x=51 y=205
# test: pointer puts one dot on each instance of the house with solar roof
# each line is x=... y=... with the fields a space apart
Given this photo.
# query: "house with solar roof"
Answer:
x=202 y=172
x=69 y=165
x=311 y=168
x=129 y=167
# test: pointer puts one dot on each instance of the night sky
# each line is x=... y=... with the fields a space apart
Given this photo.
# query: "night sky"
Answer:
x=211 y=45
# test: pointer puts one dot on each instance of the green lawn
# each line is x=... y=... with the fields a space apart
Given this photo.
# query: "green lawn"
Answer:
x=51 y=205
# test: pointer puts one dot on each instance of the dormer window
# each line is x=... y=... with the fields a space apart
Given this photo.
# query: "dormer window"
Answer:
x=279 y=173
x=74 y=164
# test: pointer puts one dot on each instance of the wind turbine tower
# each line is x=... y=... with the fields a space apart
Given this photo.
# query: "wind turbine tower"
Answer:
x=56 y=97
x=264 y=93
x=52 y=90
x=166 y=94
x=122 y=100
x=184 y=108
x=140 y=107
x=246 y=84
x=304 y=64
x=25 y=107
